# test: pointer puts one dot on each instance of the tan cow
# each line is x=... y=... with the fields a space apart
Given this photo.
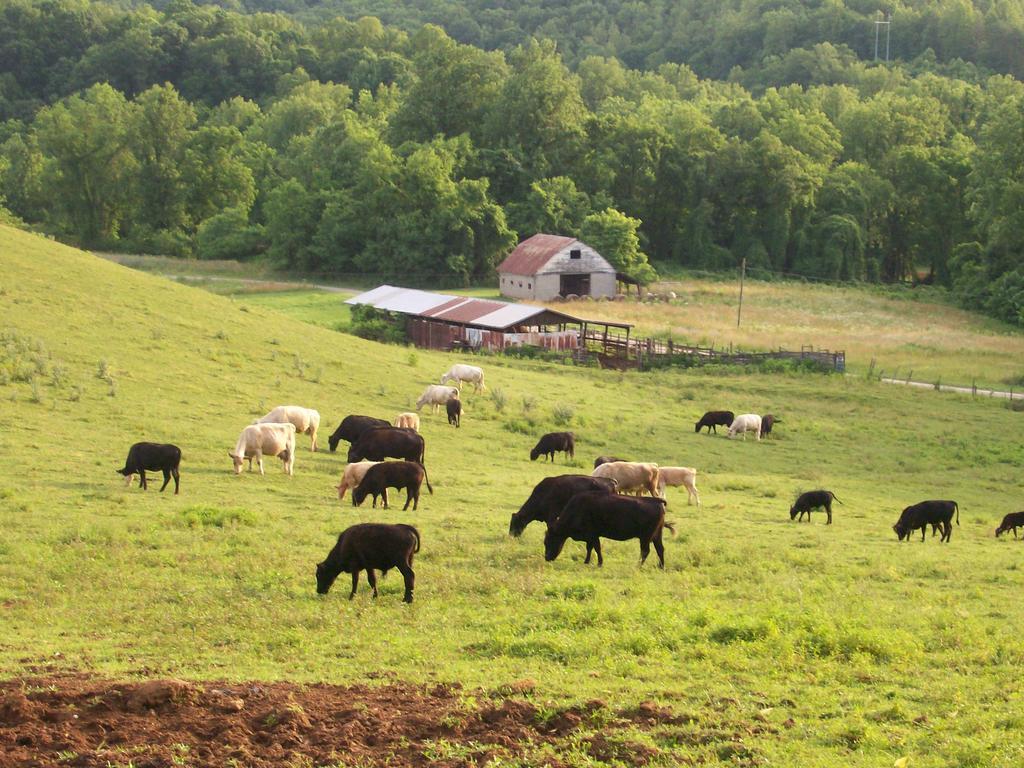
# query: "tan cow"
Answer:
x=306 y=420
x=270 y=439
x=353 y=476
x=436 y=395
x=676 y=476
x=630 y=476
x=408 y=421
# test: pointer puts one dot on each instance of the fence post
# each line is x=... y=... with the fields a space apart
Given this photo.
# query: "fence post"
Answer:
x=909 y=375
x=974 y=387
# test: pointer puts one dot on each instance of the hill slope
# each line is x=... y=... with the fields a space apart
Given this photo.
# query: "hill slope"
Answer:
x=797 y=643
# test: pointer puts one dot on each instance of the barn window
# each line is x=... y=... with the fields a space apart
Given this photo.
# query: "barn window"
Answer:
x=520 y=283
x=575 y=253
x=529 y=285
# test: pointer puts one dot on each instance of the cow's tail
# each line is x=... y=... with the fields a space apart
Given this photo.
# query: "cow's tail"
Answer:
x=835 y=498
x=670 y=526
x=957 y=508
x=415 y=533
x=427 y=479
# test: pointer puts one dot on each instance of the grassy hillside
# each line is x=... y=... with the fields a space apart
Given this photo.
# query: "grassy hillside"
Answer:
x=784 y=644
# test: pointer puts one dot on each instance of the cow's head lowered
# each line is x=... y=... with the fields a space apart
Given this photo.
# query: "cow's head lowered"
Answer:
x=238 y=460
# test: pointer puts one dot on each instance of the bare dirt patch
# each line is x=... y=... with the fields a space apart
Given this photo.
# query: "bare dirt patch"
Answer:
x=76 y=720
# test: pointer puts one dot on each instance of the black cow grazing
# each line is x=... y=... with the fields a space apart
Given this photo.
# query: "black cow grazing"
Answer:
x=606 y=460
x=812 y=500
x=368 y=547
x=550 y=496
x=767 y=422
x=388 y=442
x=715 y=419
x=593 y=515
x=352 y=427
x=392 y=474
x=553 y=442
x=927 y=513
x=1014 y=520
x=454 y=407
x=153 y=456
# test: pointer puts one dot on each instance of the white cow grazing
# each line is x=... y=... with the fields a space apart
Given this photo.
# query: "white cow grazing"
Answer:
x=270 y=439
x=746 y=422
x=460 y=373
x=676 y=476
x=436 y=395
x=408 y=421
x=353 y=476
x=630 y=476
x=306 y=420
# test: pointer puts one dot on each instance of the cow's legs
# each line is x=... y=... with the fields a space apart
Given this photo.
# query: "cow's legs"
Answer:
x=828 y=509
x=597 y=548
x=659 y=547
x=313 y=446
x=645 y=550
x=949 y=530
x=923 y=529
x=410 y=581
x=259 y=463
x=142 y=479
x=372 y=578
x=177 y=476
x=590 y=551
x=167 y=479
x=355 y=583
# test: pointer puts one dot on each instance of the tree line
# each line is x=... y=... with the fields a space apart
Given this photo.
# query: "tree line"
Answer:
x=355 y=147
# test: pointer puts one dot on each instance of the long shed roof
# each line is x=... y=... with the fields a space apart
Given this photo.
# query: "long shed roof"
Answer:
x=461 y=310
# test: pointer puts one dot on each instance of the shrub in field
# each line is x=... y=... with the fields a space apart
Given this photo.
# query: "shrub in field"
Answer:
x=203 y=516
x=563 y=414
x=499 y=399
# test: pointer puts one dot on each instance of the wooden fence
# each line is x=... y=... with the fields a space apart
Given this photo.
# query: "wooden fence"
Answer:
x=622 y=352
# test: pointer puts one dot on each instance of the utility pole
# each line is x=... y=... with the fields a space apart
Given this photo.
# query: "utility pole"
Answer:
x=739 y=309
x=887 y=23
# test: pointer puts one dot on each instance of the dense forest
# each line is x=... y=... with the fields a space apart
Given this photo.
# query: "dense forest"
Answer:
x=691 y=134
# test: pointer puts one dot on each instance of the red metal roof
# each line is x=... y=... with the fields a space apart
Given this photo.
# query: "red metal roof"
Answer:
x=464 y=310
x=533 y=253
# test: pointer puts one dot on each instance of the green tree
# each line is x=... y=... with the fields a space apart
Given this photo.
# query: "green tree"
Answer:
x=614 y=235
x=91 y=165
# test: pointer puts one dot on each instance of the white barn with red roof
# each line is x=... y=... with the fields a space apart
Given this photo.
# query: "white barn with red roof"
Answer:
x=545 y=266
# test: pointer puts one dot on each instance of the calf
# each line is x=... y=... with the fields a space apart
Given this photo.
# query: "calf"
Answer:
x=606 y=460
x=1013 y=520
x=408 y=421
x=388 y=442
x=553 y=442
x=676 y=476
x=927 y=513
x=593 y=515
x=746 y=422
x=353 y=476
x=368 y=547
x=713 y=420
x=392 y=474
x=805 y=502
x=767 y=422
x=352 y=427
x=454 y=408
x=550 y=495
x=155 y=456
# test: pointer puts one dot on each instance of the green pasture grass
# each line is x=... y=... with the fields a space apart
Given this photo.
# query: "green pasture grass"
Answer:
x=327 y=310
x=778 y=643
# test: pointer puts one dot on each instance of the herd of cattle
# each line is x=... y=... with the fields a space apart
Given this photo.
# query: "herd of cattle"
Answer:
x=585 y=508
